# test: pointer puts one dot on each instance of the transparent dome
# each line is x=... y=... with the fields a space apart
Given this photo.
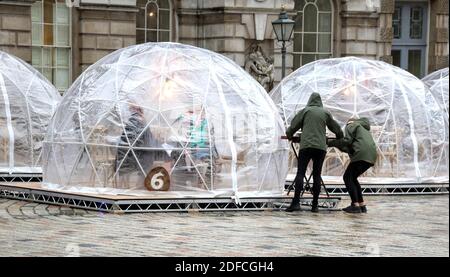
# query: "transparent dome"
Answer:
x=409 y=128
x=166 y=117
x=27 y=103
x=437 y=82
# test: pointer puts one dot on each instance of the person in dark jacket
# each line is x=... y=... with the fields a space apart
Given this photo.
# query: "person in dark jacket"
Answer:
x=130 y=161
x=360 y=146
x=312 y=120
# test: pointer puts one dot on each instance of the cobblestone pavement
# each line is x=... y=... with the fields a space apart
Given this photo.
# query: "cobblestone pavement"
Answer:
x=394 y=226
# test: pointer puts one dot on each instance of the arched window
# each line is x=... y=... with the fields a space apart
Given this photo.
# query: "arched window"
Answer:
x=154 y=21
x=51 y=41
x=313 y=32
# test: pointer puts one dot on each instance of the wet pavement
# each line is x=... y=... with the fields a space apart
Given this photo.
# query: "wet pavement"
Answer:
x=393 y=226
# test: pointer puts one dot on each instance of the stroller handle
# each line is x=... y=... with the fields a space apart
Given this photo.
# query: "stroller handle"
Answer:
x=295 y=139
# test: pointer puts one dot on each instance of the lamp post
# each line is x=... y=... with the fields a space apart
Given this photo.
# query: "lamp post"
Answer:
x=283 y=27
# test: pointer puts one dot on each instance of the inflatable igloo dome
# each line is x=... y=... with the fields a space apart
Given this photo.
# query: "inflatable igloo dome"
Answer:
x=406 y=121
x=437 y=82
x=166 y=117
x=27 y=103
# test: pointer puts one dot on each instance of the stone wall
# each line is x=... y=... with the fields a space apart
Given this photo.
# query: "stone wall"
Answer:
x=15 y=28
x=361 y=28
x=232 y=28
x=438 y=37
x=218 y=31
x=359 y=33
x=102 y=30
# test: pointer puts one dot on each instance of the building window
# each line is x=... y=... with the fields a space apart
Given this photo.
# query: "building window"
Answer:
x=396 y=22
x=313 y=35
x=410 y=36
x=396 y=57
x=51 y=41
x=416 y=23
x=414 y=61
x=154 y=21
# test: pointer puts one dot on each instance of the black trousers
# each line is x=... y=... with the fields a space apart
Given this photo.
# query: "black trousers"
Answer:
x=304 y=156
x=353 y=171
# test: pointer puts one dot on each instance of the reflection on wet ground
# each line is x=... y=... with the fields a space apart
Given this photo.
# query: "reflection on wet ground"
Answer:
x=394 y=226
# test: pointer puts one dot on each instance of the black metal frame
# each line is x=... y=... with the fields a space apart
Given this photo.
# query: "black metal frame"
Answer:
x=307 y=186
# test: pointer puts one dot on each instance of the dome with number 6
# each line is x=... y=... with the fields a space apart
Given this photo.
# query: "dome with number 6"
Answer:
x=166 y=118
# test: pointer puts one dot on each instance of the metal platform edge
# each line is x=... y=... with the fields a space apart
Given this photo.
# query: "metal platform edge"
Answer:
x=332 y=189
x=158 y=205
x=393 y=189
x=20 y=178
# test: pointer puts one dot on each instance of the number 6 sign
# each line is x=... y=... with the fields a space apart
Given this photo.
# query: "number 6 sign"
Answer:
x=157 y=179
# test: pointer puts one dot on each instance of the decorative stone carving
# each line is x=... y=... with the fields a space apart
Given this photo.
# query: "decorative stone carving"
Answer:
x=386 y=34
x=387 y=6
x=299 y=5
x=260 y=66
x=442 y=7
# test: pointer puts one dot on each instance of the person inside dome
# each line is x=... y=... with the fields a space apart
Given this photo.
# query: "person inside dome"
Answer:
x=194 y=127
x=312 y=120
x=128 y=159
x=360 y=146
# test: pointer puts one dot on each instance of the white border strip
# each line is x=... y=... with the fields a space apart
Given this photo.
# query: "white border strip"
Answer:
x=412 y=130
x=8 y=123
x=229 y=126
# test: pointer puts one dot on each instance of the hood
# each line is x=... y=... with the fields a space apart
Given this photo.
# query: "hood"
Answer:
x=363 y=121
x=315 y=100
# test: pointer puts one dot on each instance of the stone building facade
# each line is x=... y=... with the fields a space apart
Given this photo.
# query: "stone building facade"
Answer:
x=15 y=28
x=63 y=37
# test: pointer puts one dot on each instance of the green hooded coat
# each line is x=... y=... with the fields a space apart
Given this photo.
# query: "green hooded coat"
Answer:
x=358 y=141
x=313 y=120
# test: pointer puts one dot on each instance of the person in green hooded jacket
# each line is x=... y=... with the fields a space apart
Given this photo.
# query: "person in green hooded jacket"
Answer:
x=312 y=120
x=360 y=146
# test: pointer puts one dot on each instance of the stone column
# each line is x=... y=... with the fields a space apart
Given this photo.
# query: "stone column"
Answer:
x=360 y=24
x=438 y=37
x=385 y=32
x=214 y=25
x=15 y=28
